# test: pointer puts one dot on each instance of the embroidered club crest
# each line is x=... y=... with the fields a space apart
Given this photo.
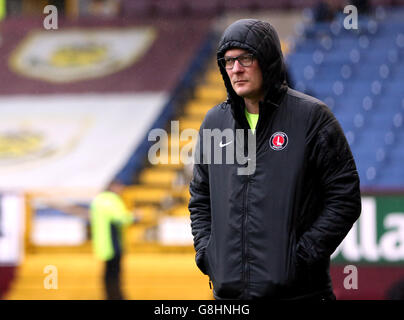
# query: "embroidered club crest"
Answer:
x=278 y=141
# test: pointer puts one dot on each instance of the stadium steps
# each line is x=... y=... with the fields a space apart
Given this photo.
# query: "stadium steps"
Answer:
x=157 y=182
x=210 y=92
x=157 y=177
x=186 y=123
x=197 y=109
x=146 y=276
x=150 y=269
x=146 y=194
x=179 y=141
x=165 y=161
x=179 y=211
x=213 y=76
x=159 y=191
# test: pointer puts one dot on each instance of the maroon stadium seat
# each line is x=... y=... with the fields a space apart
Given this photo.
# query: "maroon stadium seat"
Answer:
x=237 y=4
x=136 y=8
x=385 y=3
x=205 y=7
x=301 y=4
x=169 y=7
x=274 y=4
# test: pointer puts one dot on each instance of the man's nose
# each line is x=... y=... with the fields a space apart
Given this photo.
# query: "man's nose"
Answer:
x=237 y=67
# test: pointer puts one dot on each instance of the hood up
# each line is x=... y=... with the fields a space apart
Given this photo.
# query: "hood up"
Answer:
x=261 y=39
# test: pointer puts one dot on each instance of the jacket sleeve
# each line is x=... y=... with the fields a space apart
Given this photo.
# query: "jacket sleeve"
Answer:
x=332 y=160
x=199 y=206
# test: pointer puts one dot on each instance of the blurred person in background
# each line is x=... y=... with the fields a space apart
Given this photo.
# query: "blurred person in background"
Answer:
x=269 y=234
x=2 y=9
x=109 y=216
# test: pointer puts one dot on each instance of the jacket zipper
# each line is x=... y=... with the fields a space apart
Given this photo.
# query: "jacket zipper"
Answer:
x=244 y=257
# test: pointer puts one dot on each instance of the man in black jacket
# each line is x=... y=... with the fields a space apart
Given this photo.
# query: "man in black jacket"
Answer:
x=268 y=232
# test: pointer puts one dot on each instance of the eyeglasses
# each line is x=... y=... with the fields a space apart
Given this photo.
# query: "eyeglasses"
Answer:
x=245 y=59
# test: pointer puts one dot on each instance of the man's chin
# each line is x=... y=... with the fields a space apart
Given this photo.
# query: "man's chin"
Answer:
x=242 y=93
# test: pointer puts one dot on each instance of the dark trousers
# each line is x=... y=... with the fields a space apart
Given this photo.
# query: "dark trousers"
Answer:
x=112 y=272
x=112 y=278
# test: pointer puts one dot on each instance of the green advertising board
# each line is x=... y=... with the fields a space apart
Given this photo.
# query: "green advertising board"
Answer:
x=378 y=235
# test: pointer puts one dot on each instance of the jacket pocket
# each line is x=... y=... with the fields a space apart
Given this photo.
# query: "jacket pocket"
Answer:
x=206 y=258
x=207 y=265
x=223 y=288
x=200 y=260
x=302 y=271
x=298 y=271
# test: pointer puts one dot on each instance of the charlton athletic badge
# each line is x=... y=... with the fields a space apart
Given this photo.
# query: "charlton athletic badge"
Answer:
x=278 y=141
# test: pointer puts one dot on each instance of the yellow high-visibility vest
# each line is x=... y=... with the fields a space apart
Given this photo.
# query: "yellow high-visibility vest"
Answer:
x=105 y=209
x=2 y=9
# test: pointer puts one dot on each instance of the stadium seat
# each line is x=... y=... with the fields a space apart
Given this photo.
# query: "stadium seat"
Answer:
x=151 y=177
x=391 y=176
x=359 y=75
x=169 y=7
x=140 y=8
x=204 y=8
x=237 y=5
x=265 y=5
x=211 y=93
x=196 y=109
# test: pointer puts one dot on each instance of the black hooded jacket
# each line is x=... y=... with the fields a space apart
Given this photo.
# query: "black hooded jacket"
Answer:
x=270 y=233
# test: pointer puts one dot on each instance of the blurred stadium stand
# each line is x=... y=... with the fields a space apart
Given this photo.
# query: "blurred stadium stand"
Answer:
x=357 y=73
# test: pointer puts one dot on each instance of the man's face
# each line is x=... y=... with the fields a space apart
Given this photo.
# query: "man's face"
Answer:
x=247 y=81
